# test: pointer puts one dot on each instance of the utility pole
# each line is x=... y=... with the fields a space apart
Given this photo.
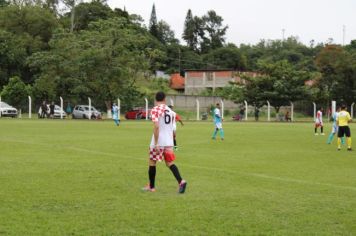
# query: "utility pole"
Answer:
x=283 y=31
x=179 y=60
x=343 y=35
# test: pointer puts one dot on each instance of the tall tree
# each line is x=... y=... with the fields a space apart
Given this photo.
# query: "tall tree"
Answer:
x=190 y=31
x=165 y=34
x=338 y=73
x=71 y=4
x=153 y=25
x=213 y=25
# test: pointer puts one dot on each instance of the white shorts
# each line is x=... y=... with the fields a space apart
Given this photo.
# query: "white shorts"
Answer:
x=218 y=125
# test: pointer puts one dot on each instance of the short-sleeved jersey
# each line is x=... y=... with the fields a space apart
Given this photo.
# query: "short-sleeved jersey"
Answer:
x=217 y=115
x=336 y=114
x=343 y=118
x=115 y=112
x=319 y=117
x=166 y=119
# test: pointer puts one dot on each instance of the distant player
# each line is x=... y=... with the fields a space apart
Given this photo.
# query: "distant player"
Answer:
x=319 y=122
x=335 y=128
x=175 y=128
x=218 y=122
x=343 y=121
x=115 y=114
x=161 y=146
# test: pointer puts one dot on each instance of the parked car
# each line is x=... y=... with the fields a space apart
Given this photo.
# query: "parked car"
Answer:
x=57 y=112
x=7 y=110
x=137 y=113
x=82 y=112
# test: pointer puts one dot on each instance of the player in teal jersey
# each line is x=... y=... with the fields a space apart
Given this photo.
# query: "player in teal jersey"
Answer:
x=335 y=128
x=218 y=122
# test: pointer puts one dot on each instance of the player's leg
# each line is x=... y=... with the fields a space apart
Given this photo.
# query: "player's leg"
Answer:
x=340 y=134
x=152 y=173
x=332 y=134
x=219 y=126
x=169 y=158
x=215 y=132
x=348 y=137
x=322 y=129
x=154 y=157
x=316 y=129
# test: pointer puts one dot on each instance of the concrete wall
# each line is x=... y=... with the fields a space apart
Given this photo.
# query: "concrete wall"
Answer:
x=188 y=102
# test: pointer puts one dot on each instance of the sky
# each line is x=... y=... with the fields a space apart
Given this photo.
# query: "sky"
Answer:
x=249 y=21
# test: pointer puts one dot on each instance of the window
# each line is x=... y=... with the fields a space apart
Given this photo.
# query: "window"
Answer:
x=209 y=76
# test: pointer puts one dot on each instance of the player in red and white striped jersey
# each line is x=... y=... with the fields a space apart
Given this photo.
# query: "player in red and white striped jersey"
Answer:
x=161 y=146
x=319 y=122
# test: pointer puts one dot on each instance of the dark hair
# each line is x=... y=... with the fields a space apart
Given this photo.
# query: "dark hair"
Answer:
x=160 y=96
x=170 y=106
x=343 y=107
x=217 y=104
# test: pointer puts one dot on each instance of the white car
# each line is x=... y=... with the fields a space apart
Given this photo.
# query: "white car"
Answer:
x=7 y=111
x=82 y=112
x=57 y=112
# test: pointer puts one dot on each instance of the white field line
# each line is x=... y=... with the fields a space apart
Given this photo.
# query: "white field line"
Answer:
x=256 y=175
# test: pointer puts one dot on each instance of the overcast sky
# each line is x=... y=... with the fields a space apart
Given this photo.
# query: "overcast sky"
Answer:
x=252 y=20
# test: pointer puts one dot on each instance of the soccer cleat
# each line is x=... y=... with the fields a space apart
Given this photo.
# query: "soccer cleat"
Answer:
x=147 y=188
x=316 y=134
x=182 y=186
x=338 y=148
x=349 y=149
x=322 y=134
x=213 y=138
x=175 y=148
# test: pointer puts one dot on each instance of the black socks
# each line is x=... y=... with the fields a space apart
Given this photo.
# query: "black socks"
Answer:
x=152 y=175
x=175 y=172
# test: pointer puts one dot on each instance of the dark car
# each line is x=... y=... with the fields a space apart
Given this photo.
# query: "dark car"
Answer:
x=137 y=113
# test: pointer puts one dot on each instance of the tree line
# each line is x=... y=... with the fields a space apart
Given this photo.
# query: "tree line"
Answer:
x=88 y=49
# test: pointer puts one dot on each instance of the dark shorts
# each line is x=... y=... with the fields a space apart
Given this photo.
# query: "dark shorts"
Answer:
x=344 y=130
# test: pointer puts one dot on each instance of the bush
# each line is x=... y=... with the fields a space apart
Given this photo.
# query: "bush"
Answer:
x=16 y=92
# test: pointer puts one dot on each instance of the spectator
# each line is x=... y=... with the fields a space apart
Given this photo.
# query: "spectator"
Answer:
x=287 y=117
x=43 y=109
x=69 y=108
x=51 y=110
x=257 y=111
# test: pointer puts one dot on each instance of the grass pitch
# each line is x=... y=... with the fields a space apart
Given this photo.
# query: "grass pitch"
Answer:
x=84 y=178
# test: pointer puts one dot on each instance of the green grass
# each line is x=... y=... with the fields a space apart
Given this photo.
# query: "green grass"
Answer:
x=84 y=178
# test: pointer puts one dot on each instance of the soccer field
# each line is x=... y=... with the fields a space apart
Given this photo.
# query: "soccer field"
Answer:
x=85 y=177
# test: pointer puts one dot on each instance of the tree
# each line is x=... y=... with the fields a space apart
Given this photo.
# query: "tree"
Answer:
x=153 y=25
x=87 y=12
x=12 y=56
x=16 y=92
x=71 y=4
x=100 y=62
x=190 y=31
x=279 y=83
x=24 y=31
x=213 y=25
x=338 y=73
x=228 y=57
x=3 y=3
x=165 y=34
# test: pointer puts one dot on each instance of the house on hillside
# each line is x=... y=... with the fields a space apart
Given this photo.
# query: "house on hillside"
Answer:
x=196 y=81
